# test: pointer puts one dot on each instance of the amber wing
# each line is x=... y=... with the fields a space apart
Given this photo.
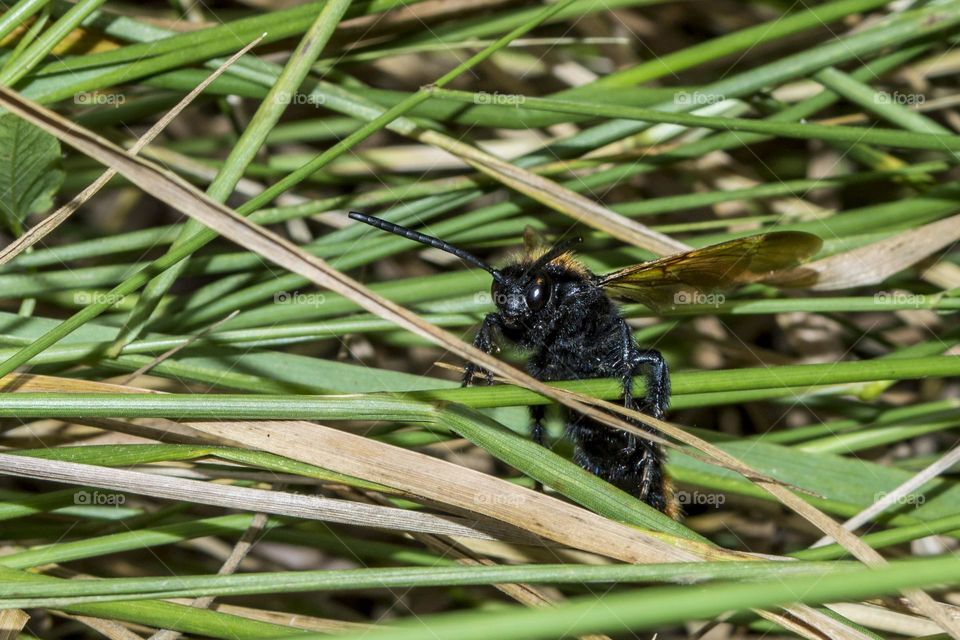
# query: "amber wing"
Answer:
x=684 y=278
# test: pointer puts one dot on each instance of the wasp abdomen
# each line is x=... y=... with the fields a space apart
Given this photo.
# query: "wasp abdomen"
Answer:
x=631 y=464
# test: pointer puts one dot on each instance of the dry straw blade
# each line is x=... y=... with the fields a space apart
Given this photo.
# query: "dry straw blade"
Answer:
x=260 y=500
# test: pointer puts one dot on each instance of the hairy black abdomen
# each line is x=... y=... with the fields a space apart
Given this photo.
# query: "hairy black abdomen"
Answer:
x=631 y=464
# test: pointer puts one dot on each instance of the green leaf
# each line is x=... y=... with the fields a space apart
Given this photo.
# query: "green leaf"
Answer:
x=30 y=173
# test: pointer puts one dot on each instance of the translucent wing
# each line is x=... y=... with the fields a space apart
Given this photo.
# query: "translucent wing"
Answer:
x=684 y=278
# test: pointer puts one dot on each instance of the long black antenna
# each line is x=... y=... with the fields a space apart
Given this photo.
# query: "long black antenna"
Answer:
x=436 y=243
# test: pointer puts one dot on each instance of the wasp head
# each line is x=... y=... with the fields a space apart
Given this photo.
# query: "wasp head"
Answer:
x=521 y=295
x=527 y=293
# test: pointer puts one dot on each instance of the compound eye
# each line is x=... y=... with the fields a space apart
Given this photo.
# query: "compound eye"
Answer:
x=538 y=294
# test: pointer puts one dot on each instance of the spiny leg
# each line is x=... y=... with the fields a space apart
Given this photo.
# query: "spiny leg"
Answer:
x=537 y=413
x=484 y=341
x=657 y=396
x=647 y=455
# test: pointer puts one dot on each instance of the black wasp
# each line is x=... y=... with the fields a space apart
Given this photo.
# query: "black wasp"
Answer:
x=551 y=305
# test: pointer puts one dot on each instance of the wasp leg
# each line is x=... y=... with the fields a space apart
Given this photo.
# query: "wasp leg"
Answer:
x=657 y=398
x=537 y=413
x=484 y=342
x=642 y=460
